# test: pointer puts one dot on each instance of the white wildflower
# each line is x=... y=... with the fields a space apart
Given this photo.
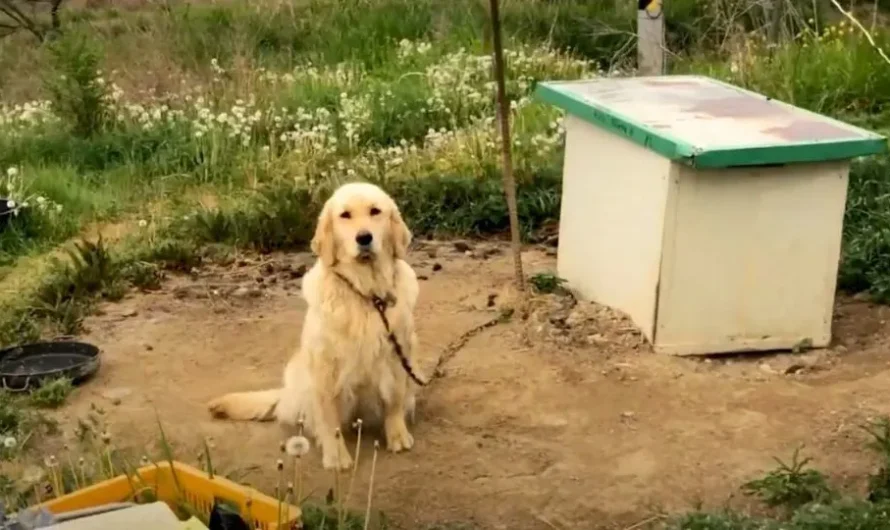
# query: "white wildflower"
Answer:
x=12 y=172
x=9 y=442
x=143 y=223
x=297 y=446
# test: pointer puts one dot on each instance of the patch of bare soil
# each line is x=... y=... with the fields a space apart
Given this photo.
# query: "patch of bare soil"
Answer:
x=565 y=420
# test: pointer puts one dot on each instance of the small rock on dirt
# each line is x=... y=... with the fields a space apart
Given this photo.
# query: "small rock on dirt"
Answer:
x=862 y=296
x=299 y=272
x=180 y=292
x=247 y=292
x=575 y=318
x=462 y=246
x=767 y=369
x=432 y=252
x=596 y=338
x=795 y=368
x=422 y=277
x=129 y=312
x=437 y=267
x=628 y=415
x=551 y=251
x=116 y=395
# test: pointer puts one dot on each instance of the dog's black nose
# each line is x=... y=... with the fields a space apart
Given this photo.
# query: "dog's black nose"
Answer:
x=364 y=238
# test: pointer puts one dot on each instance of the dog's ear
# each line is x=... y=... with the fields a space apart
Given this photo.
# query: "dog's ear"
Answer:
x=323 y=243
x=399 y=234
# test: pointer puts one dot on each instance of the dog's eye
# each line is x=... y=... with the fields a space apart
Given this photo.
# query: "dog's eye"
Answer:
x=345 y=215
x=375 y=211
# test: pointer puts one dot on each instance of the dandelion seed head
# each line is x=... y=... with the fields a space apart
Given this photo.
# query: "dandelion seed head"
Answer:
x=297 y=446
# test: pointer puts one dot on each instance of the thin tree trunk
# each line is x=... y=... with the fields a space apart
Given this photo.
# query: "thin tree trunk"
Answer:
x=507 y=144
x=54 y=14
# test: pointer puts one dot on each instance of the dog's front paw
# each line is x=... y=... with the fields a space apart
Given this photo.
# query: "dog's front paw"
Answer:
x=398 y=438
x=333 y=460
x=218 y=409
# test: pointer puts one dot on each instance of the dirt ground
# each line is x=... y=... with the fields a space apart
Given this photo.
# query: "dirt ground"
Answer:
x=566 y=420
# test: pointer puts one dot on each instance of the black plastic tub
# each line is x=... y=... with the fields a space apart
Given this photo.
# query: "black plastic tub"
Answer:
x=27 y=366
x=6 y=212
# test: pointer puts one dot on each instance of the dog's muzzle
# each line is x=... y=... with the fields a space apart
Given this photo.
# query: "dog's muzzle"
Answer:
x=364 y=240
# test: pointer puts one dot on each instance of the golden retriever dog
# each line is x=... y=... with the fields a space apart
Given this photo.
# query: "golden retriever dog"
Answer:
x=358 y=341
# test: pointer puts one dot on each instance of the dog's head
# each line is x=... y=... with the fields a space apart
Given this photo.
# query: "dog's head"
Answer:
x=360 y=223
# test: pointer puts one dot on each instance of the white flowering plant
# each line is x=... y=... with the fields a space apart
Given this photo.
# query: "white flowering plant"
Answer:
x=14 y=190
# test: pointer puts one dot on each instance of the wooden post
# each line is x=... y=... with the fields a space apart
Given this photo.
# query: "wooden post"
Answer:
x=506 y=143
x=772 y=10
x=650 y=37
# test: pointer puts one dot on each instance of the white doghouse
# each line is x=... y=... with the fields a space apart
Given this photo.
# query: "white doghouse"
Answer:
x=709 y=214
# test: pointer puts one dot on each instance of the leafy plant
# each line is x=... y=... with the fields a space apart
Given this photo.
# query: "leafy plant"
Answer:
x=546 y=283
x=791 y=485
x=52 y=394
x=77 y=90
x=879 y=482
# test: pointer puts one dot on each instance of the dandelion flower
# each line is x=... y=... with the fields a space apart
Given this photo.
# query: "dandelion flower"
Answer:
x=10 y=204
x=9 y=442
x=143 y=223
x=297 y=446
x=12 y=172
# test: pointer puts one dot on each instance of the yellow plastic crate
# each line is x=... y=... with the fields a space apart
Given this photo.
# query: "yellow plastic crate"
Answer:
x=178 y=483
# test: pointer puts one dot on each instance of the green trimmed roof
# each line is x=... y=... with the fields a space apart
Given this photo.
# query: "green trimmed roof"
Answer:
x=707 y=123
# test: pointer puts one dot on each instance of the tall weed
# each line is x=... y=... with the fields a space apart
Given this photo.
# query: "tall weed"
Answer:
x=75 y=84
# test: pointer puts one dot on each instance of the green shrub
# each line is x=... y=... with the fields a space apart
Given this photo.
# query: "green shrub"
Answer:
x=866 y=246
x=52 y=394
x=75 y=85
x=791 y=485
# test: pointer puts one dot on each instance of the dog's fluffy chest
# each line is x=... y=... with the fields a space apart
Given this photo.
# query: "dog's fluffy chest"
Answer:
x=355 y=337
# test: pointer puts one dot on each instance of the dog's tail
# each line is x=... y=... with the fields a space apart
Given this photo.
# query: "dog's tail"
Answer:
x=246 y=406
